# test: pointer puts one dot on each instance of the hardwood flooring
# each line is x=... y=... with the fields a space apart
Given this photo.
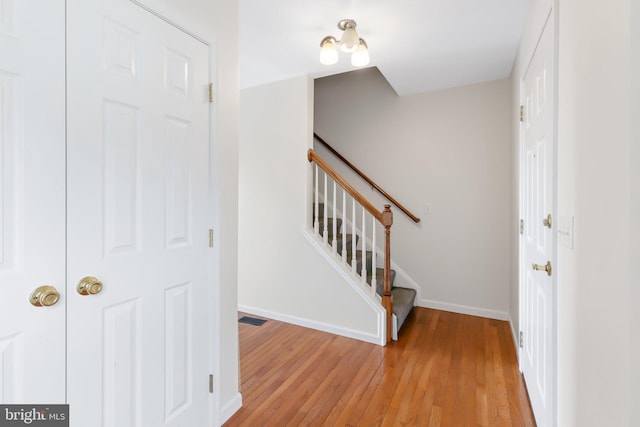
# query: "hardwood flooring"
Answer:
x=446 y=369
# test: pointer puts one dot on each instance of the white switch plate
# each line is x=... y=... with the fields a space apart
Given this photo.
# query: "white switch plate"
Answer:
x=565 y=231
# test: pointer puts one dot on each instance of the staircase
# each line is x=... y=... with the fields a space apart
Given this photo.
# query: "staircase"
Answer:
x=403 y=298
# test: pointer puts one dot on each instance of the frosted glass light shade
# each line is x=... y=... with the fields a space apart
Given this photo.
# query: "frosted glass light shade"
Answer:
x=360 y=57
x=349 y=41
x=328 y=53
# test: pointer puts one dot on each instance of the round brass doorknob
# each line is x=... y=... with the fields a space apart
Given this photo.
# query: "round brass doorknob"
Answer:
x=89 y=286
x=44 y=296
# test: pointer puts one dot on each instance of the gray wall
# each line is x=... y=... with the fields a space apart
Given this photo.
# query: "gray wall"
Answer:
x=447 y=150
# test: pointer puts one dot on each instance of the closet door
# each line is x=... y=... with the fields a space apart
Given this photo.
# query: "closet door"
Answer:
x=32 y=202
x=139 y=346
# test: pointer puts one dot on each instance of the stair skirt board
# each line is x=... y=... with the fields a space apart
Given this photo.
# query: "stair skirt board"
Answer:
x=377 y=339
x=405 y=297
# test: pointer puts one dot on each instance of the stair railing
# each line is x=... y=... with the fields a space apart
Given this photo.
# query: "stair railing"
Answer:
x=366 y=178
x=384 y=217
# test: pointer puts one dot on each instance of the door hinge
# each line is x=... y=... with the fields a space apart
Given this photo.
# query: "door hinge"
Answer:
x=211 y=237
x=522 y=226
x=521 y=340
x=211 y=384
x=210 y=92
x=522 y=113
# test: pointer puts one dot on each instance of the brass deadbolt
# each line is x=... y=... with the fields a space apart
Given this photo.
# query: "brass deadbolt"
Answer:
x=89 y=286
x=44 y=296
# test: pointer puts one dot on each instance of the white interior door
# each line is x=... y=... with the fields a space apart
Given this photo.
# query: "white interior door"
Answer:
x=138 y=140
x=32 y=207
x=537 y=294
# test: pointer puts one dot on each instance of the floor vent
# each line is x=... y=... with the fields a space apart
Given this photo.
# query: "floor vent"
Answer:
x=252 y=321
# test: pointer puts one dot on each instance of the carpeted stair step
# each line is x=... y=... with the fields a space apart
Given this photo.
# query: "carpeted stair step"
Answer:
x=321 y=212
x=349 y=242
x=368 y=256
x=380 y=279
x=329 y=226
x=403 y=302
x=403 y=298
x=379 y=271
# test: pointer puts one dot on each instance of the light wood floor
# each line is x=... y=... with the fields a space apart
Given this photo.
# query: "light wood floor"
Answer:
x=445 y=370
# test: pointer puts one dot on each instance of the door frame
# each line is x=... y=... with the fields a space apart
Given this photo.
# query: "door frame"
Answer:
x=548 y=23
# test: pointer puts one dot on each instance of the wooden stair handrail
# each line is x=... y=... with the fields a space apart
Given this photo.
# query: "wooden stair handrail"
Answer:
x=312 y=156
x=366 y=178
x=385 y=217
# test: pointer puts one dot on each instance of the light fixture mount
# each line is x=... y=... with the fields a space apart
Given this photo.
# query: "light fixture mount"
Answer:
x=346 y=23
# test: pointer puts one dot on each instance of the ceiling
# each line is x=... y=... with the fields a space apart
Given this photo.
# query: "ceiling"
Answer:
x=418 y=45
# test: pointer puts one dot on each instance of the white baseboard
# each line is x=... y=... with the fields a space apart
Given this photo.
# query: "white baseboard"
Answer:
x=463 y=309
x=230 y=408
x=319 y=326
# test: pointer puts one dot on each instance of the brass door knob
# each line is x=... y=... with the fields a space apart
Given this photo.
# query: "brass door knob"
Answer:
x=546 y=267
x=89 y=286
x=548 y=221
x=44 y=296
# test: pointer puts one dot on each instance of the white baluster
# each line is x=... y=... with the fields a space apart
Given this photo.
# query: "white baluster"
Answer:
x=316 y=224
x=363 y=272
x=334 y=242
x=344 y=226
x=374 y=270
x=353 y=236
x=325 y=232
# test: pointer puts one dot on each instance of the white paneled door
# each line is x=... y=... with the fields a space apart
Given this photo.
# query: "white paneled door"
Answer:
x=32 y=206
x=137 y=218
x=111 y=193
x=537 y=293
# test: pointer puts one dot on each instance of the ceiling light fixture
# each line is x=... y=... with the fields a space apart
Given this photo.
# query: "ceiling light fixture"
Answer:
x=350 y=43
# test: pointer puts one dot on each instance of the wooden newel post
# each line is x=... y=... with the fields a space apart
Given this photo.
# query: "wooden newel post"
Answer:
x=387 y=302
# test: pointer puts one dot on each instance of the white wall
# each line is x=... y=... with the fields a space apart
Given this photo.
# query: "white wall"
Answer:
x=281 y=274
x=594 y=186
x=448 y=150
x=598 y=185
x=216 y=22
x=224 y=22
x=634 y=394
